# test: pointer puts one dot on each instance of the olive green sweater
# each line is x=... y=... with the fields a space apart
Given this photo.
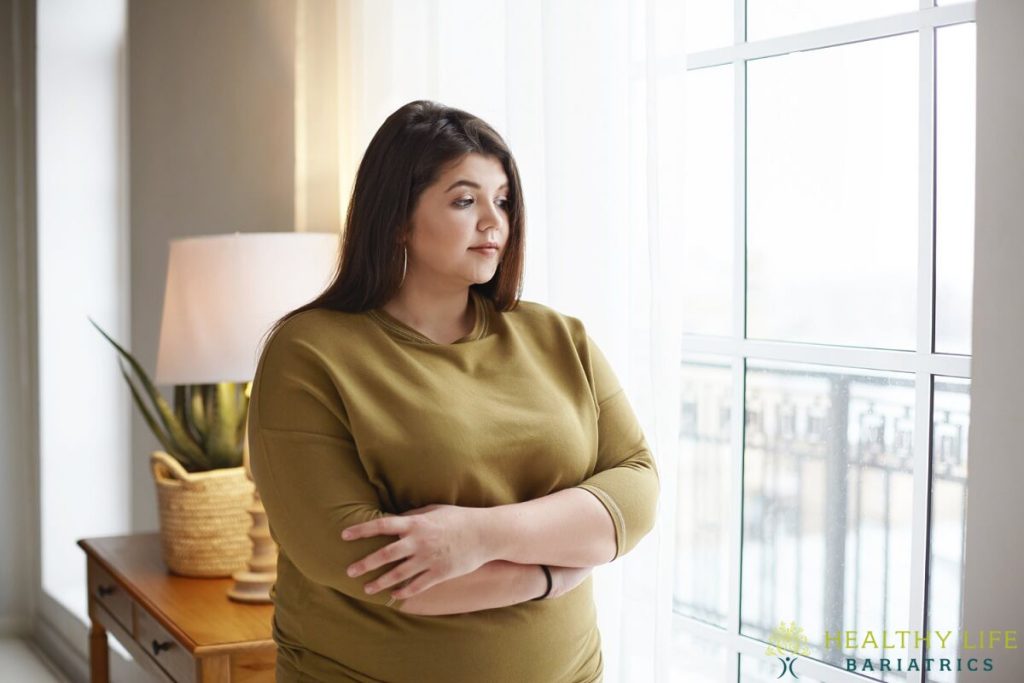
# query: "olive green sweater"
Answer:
x=354 y=416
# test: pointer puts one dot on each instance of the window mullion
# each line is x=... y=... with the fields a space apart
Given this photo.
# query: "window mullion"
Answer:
x=946 y=364
x=739 y=303
x=925 y=345
x=831 y=36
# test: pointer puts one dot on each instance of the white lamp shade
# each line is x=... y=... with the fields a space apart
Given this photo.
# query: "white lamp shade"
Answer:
x=225 y=291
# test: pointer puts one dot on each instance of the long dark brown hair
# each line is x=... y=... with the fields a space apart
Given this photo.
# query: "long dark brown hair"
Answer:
x=405 y=156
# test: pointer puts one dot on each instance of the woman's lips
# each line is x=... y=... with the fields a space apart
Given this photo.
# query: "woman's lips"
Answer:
x=485 y=250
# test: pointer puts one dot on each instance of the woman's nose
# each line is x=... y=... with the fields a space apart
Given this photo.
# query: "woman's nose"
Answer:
x=491 y=217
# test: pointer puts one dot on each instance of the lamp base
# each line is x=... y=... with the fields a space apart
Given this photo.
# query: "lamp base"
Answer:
x=252 y=587
x=253 y=583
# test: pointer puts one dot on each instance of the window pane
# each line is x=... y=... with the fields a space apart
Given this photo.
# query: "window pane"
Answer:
x=832 y=195
x=828 y=485
x=950 y=423
x=705 y=491
x=698 y=660
x=954 y=186
x=770 y=18
x=637 y=32
x=708 y=202
x=707 y=24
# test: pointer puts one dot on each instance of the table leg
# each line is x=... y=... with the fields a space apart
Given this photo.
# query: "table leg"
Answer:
x=99 y=656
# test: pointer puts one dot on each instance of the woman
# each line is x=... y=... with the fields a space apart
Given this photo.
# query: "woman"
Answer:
x=477 y=450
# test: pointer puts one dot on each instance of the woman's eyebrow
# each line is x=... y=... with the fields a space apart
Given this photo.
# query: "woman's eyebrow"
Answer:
x=470 y=183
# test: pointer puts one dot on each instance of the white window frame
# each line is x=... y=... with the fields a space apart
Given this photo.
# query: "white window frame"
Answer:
x=923 y=362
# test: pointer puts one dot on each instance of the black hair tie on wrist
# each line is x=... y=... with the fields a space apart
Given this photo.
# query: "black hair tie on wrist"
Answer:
x=547 y=575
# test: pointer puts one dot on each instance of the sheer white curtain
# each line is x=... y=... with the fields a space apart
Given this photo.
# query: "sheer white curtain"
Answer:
x=571 y=86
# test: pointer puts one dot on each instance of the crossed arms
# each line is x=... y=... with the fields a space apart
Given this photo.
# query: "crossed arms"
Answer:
x=313 y=487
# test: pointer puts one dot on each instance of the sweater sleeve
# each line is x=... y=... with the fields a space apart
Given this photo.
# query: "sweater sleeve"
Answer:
x=625 y=479
x=307 y=469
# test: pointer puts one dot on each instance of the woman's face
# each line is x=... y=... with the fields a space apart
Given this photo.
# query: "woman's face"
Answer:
x=467 y=207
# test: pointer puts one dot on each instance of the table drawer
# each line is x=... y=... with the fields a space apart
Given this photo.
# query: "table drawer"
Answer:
x=163 y=648
x=110 y=594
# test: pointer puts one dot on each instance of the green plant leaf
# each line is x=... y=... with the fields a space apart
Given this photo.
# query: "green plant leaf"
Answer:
x=223 y=424
x=244 y=421
x=183 y=409
x=197 y=411
x=157 y=431
x=154 y=427
x=175 y=432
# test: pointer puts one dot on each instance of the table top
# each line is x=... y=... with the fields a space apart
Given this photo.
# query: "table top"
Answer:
x=196 y=610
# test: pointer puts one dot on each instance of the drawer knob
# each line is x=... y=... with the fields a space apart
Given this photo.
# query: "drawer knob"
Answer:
x=106 y=590
x=158 y=647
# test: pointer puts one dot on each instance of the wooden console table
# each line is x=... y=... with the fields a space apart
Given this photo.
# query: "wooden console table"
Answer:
x=177 y=628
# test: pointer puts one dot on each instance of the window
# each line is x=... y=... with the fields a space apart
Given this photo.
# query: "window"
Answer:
x=828 y=228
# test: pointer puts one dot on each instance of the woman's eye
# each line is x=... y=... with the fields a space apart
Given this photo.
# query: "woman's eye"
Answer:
x=466 y=201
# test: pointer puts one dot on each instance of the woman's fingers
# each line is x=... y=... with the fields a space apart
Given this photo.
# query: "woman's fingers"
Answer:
x=557 y=580
x=565 y=579
x=389 y=553
x=437 y=540
x=392 y=525
x=405 y=571
x=416 y=586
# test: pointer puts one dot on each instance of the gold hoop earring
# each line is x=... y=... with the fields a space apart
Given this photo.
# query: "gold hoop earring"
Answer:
x=405 y=264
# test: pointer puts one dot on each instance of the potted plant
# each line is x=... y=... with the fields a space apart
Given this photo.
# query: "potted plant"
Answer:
x=203 y=491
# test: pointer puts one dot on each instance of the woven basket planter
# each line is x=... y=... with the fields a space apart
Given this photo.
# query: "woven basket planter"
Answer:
x=204 y=526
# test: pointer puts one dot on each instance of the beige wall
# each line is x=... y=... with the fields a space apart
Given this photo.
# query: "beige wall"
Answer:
x=18 y=444
x=214 y=139
x=319 y=199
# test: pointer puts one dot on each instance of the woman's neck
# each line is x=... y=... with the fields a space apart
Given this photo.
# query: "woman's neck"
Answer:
x=442 y=317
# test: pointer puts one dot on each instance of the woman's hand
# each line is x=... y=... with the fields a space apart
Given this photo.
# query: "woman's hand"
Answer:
x=564 y=579
x=438 y=542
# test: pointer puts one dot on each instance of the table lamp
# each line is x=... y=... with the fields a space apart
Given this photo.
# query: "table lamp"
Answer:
x=223 y=294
